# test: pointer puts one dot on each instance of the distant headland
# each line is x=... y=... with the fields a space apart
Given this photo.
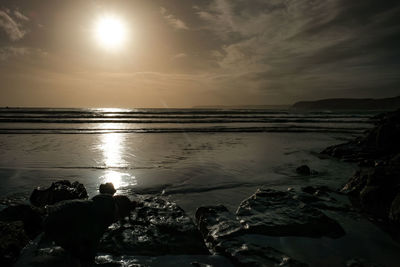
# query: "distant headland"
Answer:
x=391 y=103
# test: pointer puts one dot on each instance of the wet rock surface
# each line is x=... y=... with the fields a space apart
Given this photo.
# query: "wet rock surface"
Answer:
x=58 y=191
x=279 y=213
x=267 y=213
x=376 y=185
x=159 y=227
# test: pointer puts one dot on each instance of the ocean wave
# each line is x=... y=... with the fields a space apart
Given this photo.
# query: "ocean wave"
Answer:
x=180 y=121
x=183 y=130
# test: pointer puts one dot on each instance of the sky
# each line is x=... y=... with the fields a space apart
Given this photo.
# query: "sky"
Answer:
x=185 y=53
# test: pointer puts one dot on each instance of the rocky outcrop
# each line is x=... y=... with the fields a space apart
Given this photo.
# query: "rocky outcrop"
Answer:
x=159 y=227
x=379 y=143
x=58 y=191
x=279 y=213
x=376 y=185
x=269 y=213
x=31 y=218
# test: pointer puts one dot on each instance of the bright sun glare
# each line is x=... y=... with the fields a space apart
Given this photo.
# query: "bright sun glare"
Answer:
x=110 y=32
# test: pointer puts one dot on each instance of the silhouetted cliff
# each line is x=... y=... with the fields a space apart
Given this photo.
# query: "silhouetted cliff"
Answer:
x=349 y=104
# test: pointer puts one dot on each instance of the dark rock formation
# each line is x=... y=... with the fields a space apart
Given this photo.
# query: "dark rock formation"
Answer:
x=225 y=235
x=278 y=213
x=78 y=225
x=376 y=185
x=107 y=188
x=30 y=216
x=303 y=170
x=12 y=239
x=159 y=227
x=380 y=143
x=217 y=223
x=58 y=191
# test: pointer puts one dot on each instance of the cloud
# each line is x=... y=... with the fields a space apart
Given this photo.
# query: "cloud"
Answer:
x=179 y=56
x=307 y=48
x=172 y=20
x=10 y=52
x=12 y=24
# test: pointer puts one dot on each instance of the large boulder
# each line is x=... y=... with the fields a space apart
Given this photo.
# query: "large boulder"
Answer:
x=217 y=223
x=280 y=213
x=159 y=227
x=58 y=191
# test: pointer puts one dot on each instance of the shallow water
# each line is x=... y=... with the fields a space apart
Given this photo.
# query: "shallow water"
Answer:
x=191 y=168
x=220 y=163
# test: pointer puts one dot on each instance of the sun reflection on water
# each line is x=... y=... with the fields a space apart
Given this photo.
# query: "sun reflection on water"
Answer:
x=112 y=146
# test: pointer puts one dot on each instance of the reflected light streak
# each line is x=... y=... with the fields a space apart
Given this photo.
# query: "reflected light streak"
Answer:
x=112 y=148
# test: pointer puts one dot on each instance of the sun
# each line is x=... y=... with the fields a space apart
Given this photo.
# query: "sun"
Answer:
x=110 y=32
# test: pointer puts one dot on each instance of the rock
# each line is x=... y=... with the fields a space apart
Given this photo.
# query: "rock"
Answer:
x=107 y=188
x=247 y=254
x=160 y=227
x=58 y=191
x=394 y=214
x=279 y=213
x=217 y=223
x=12 y=239
x=375 y=186
x=303 y=170
x=224 y=235
x=78 y=225
x=30 y=216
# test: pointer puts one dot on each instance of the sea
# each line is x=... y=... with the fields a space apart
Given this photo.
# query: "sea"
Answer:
x=194 y=157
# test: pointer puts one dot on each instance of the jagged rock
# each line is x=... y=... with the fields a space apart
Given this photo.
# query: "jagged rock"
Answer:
x=217 y=223
x=381 y=141
x=279 y=213
x=224 y=235
x=303 y=170
x=376 y=184
x=12 y=239
x=160 y=227
x=30 y=216
x=58 y=191
x=376 y=187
